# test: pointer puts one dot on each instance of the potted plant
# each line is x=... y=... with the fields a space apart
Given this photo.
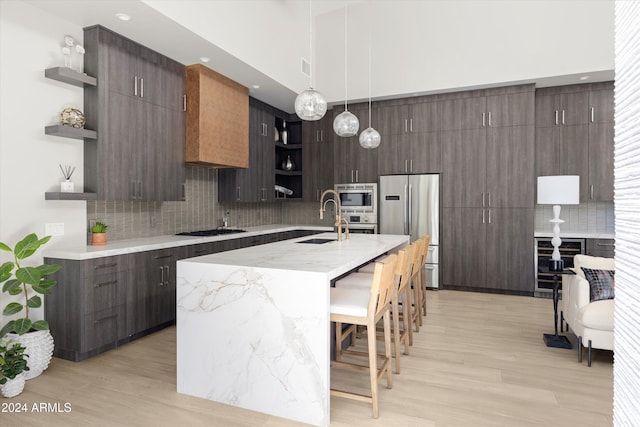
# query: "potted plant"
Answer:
x=99 y=234
x=13 y=365
x=29 y=283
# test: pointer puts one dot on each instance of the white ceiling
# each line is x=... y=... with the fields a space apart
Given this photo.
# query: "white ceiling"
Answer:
x=241 y=36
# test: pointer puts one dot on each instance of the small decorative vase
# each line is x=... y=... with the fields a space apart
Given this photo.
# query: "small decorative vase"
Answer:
x=288 y=164
x=284 y=134
x=98 y=239
x=72 y=117
x=66 y=186
x=39 y=346
x=14 y=387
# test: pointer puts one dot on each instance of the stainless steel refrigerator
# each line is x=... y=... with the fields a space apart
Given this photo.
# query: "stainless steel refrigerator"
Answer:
x=410 y=204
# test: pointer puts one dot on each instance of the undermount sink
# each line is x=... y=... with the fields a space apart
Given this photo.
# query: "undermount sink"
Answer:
x=214 y=232
x=317 y=241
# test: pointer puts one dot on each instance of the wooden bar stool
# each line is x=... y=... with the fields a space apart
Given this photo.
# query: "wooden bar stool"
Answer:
x=400 y=294
x=356 y=306
x=418 y=264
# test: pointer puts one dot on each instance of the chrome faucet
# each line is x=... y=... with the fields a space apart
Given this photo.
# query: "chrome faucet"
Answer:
x=337 y=209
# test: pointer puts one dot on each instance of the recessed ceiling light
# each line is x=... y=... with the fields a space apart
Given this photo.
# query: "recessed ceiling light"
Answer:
x=123 y=16
x=584 y=78
x=205 y=59
x=256 y=86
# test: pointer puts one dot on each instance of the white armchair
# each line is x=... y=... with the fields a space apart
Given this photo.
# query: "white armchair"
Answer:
x=592 y=322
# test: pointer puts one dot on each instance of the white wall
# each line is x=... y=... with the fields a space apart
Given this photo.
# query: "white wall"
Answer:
x=436 y=45
x=626 y=378
x=30 y=42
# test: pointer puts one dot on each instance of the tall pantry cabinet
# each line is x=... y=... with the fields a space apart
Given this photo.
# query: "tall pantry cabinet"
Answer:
x=137 y=108
x=488 y=189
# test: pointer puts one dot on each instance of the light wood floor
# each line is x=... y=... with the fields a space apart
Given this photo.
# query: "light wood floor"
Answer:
x=478 y=361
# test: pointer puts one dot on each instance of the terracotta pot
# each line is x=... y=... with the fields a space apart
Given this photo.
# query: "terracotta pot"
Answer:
x=98 y=239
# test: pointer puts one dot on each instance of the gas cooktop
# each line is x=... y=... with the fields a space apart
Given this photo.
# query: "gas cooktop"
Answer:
x=214 y=232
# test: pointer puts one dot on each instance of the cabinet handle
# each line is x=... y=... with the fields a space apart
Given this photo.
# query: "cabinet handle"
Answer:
x=101 y=284
x=489 y=118
x=237 y=193
x=162 y=256
x=411 y=125
x=184 y=102
x=562 y=116
x=102 y=319
x=483 y=216
x=357 y=180
x=593 y=115
x=166 y=282
x=489 y=193
x=556 y=117
x=141 y=88
x=406 y=167
x=489 y=216
x=161 y=276
x=113 y=264
x=411 y=165
x=484 y=119
x=591 y=192
x=483 y=203
x=352 y=176
x=405 y=125
x=135 y=85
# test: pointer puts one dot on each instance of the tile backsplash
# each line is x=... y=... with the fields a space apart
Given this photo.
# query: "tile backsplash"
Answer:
x=583 y=218
x=200 y=211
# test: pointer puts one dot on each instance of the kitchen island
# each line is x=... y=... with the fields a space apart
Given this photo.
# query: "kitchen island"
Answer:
x=253 y=325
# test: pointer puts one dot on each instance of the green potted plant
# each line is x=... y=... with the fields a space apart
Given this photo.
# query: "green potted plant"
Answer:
x=29 y=283
x=13 y=365
x=99 y=234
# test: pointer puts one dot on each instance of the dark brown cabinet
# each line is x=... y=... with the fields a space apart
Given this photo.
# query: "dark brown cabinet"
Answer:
x=488 y=249
x=601 y=247
x=574 y=136
x=87 y=313
x=352 y=163
x=488 y=190
x=138 y=109
x=317 y=157
x=255 y=183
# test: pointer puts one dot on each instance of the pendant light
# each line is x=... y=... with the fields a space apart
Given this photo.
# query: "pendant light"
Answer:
x=310 y=104
x=369 y=138
x=345 y=124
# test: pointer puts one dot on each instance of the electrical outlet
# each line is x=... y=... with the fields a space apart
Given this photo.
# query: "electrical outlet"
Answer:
x=54 y=229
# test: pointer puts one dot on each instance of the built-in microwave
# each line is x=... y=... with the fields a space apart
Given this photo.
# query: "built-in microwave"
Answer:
x=359 y=198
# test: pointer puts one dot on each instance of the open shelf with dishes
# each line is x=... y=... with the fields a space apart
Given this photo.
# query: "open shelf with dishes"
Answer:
x=288 y=158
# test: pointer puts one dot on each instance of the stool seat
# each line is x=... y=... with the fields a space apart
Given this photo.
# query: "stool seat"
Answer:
x=357 y=280
x=350 y=301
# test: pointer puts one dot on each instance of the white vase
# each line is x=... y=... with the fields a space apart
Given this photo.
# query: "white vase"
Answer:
x=39 y=346
x=15 y=386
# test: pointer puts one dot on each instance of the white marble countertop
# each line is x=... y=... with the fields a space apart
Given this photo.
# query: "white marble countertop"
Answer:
x=333 y=258
x=576 y=235
x=121 y=247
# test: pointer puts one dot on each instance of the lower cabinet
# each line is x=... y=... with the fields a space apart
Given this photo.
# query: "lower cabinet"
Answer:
x=601 y=247
x=488 y=249
x=101 y=303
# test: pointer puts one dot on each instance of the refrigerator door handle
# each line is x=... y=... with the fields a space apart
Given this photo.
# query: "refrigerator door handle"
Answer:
x=410 y=206
x=406 y=212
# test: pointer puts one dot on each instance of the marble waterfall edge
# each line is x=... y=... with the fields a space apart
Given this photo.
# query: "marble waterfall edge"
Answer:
x=254 y=338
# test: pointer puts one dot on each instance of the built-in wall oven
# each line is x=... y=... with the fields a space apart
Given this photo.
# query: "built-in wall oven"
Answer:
x=359 y=206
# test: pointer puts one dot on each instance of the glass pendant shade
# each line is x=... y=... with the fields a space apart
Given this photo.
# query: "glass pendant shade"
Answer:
x=346 y=124
x=310 y=105
x=369 y=138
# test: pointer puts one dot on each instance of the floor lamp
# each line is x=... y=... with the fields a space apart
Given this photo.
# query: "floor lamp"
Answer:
x=558 y=190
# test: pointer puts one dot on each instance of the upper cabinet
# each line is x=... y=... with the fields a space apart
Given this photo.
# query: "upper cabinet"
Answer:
x=574 y=136
x=217 y=120
x=317 y=157
x=138 y=113
x=352 y=163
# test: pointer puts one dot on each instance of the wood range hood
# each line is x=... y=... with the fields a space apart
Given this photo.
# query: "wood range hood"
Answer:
x=217 y=120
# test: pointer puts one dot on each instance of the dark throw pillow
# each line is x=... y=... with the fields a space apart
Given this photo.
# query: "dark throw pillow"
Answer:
x=601 y=282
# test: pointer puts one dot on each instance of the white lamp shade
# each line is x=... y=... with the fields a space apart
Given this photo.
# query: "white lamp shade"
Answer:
x=559 y=190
